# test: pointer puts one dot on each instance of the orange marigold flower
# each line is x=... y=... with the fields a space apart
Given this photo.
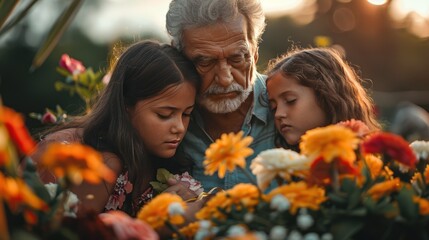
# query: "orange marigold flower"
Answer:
x=357 y=126
x=382 y=189
x=226 y=153
x=423 y=205
x=242 y=195
x=156 y=212
x=76 y=162
x=321 y=171
x=373 y=163
x=17 y=193
x=18 y=132
x=329 y=142
x=300 y=195
x=391 y=145
x=190 y=230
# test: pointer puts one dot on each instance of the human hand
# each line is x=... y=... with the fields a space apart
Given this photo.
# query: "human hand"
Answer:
x=180 y=188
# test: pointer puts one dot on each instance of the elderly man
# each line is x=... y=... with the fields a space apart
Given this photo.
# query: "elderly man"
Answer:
x=221 y=38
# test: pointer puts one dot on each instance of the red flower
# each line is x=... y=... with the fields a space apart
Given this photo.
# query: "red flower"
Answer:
x=72 y=65
x=391 y=145
x=357 y=126
x=18 y=132
x=321 y=171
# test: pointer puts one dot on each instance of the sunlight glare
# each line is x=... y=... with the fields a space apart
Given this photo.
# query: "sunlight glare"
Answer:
x=413 y=14
x=377 y=2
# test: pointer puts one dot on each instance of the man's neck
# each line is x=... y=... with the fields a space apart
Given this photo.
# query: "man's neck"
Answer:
x=217 y=123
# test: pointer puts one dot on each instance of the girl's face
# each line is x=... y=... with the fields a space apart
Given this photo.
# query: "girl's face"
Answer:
x=162 y=120
x=294 y=106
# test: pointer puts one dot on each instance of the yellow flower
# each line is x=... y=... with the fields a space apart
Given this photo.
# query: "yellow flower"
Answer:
x=330 y=142
x=156 y=212
x=382 y=189
x=374 y=164
x=189 y=230
x=423 y=205
x=300 y=195
x=76 y=162
x=226 y=153
x=243 y=194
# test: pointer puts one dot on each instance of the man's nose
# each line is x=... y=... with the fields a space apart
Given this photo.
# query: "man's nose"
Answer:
x=223 y=76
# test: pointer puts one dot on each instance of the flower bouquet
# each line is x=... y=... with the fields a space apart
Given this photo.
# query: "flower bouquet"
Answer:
x=30 y=209
x=346 y=183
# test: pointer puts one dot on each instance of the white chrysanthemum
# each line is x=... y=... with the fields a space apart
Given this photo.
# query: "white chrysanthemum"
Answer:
x=421 y=149
x=277 y=162
x=294 y=235
x=327 y=236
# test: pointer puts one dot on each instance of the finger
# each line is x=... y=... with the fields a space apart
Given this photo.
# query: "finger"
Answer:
x=172 y=181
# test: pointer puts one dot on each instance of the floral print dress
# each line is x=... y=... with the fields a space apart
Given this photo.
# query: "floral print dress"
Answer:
x=122 y=188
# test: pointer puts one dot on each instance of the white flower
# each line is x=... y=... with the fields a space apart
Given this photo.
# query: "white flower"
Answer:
x=280 y=203
x=327 y=236
x=311 y=236
x=236 y=230
x=278 y=233
x=248 y=217
x=175 y=209
x=277 y=162
x=304 y=221
x=421 y=149
x=70 y=205
x=294 y=235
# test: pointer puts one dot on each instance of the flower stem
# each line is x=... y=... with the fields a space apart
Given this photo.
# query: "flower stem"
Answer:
x=249 y=176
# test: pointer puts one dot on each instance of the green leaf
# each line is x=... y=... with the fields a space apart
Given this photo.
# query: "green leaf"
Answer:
x=345 y=228
x=6 y=8
x=55 y=34
x=17 y=18
x=158 y=187
x=409 y=209
x=162 y=175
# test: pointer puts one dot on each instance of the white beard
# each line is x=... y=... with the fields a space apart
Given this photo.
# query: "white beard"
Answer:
x=224 y=105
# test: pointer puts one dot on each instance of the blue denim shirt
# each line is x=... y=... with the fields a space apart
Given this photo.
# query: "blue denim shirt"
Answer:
x=259 y=123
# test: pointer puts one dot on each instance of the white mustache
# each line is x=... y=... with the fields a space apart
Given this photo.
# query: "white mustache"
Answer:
x=216 y=89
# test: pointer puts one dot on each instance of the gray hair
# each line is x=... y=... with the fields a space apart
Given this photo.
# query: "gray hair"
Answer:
x=185 y=14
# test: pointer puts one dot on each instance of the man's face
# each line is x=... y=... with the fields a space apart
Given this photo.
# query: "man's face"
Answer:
x=225 y=59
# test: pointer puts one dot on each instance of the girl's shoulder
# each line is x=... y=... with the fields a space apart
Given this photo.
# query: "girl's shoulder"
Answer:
x=68 y=135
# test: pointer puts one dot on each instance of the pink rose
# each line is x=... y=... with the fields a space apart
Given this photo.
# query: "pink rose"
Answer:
x=48 y=118
x=126 y=227
x=72 y=65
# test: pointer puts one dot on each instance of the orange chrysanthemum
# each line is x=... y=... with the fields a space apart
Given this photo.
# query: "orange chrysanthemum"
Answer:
x=300 y=195
x=156 y=212
x=423 y=205
x=226 y=153
x=76 y=162
x=329 y=142
x=385 y=188
x=242 y=195
x=18 y=132
x=391 y=145
x=17 y=193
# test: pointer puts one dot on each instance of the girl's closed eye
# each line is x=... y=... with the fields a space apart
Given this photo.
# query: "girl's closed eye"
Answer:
x=163 y=115
x=290 y=101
